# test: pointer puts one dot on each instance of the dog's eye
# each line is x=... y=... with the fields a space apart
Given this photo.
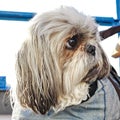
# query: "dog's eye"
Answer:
x=71 y=43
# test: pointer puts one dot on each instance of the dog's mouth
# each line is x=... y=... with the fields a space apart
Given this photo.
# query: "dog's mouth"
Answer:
x=91 y=74
x=93 y=69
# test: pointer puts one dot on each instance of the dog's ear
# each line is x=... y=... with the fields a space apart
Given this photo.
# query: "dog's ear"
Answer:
x=36 y=87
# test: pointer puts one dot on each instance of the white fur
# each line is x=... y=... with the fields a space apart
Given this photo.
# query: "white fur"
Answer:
x=48 y=74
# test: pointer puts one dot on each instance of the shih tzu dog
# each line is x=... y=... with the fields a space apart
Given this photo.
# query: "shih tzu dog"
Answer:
x=59 y=61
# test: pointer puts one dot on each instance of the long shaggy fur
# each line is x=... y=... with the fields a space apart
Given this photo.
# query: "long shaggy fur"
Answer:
x=48 y=74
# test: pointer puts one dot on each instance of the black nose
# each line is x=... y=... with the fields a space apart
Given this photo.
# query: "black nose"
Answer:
x=91 y=49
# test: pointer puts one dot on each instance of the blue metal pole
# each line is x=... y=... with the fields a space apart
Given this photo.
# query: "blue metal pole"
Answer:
x=25 y=16
x=118 y=17
x=118 y=8
x=118 y=11
x=17 y=16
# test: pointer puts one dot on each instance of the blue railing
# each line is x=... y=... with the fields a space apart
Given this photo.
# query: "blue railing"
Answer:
x=118 y=12
x=26 y=16
x=17 y=16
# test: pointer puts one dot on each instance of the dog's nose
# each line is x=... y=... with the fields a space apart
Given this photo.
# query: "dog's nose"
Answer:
x=91 y=49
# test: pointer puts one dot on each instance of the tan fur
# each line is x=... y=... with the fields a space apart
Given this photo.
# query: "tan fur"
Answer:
x=48 y=74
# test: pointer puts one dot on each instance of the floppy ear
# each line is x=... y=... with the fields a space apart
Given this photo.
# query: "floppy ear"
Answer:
x=36 y=87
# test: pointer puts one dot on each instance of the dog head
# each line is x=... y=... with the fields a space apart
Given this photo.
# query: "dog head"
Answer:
x=59 y=60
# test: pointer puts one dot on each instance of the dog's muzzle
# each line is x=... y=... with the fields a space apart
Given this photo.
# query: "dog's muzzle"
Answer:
x=90 y=49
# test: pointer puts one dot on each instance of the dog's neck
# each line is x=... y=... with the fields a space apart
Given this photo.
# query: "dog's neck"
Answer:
x=76 y=96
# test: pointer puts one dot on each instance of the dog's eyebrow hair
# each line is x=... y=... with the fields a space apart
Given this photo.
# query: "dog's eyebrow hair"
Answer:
x=78 y=36
x=75 y=36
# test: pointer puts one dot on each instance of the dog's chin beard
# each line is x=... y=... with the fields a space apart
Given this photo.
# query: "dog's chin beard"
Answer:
x=91 y=76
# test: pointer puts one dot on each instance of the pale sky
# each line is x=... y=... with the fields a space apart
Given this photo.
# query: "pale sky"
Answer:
x=12 y=32
x=92 y=7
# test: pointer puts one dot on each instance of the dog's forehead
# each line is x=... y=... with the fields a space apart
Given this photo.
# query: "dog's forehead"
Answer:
x=78 y=19
x=64 y=19
x=68 y=15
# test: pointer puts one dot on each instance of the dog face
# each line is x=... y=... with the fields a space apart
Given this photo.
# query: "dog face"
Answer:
x=59 y=60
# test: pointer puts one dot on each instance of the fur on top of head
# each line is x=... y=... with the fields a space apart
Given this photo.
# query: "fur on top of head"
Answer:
x=59 y=60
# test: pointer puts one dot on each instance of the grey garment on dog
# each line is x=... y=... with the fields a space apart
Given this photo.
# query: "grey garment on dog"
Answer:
x=104 y=105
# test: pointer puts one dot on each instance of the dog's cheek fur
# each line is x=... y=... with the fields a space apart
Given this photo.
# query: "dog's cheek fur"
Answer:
x=104 y=72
